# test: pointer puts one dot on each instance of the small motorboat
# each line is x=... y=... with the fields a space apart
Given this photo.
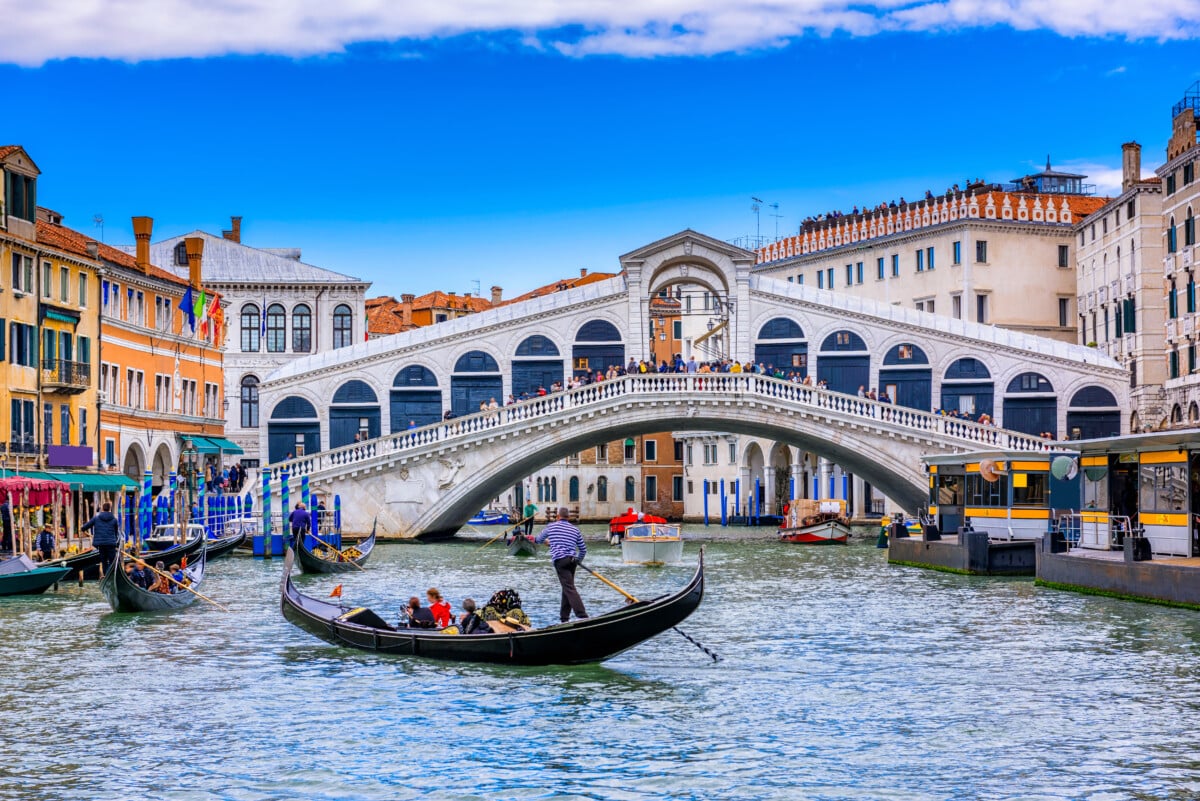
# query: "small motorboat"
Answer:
x=521 y=545
x=816 y=523
x=489 y=517
x=592 y=639
x=618 y=525
x=20 y=575
x=652 y=544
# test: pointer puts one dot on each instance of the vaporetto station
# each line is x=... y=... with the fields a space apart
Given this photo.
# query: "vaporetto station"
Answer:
x=429 y=479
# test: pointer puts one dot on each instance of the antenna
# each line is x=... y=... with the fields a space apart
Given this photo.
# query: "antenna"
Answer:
x=755 y=205
x=475 y=287
x=98 y=221
x=777 y=217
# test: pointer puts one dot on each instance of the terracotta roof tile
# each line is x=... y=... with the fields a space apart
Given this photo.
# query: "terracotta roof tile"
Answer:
x=72 y=241
x=560 y=286
x=8 y=150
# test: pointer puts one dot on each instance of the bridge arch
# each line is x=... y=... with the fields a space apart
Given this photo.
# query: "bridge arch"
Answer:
x=1093 y=412
x=1030 y=404
x=844 y=362
x=353 y=413
x=476 y=379
x=967 y=387
x=536 y=363
x=598 y=345
x=906 y=376
x=415 y=397
x=781 y=342
x=294 y=429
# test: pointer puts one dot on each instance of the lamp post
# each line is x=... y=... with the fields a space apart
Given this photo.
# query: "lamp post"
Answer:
x=189 y=456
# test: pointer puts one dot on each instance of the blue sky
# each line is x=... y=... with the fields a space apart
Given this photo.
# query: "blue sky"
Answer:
x=493 y=156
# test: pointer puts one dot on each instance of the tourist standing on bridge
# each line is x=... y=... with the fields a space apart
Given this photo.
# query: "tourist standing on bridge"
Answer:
x=567 y=549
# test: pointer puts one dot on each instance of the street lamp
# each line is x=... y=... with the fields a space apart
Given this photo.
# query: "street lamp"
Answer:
x=189 y=456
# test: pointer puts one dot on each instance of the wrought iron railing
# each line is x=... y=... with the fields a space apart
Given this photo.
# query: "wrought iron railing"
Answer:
x=66 y=373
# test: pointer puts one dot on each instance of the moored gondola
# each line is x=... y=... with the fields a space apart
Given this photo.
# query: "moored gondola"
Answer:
x=177 y=553
x=125 y=596
x=312 y=563
x=592 y=639
x=87 y=562
x=220 y=546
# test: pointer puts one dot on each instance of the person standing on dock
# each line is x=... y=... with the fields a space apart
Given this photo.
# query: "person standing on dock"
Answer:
x=567 y=549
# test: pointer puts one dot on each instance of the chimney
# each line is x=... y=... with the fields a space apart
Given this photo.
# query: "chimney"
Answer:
x=93 y=249
x=195 y=253
x=407 y=298
x=496 y=293
x=142 y=227
x=1131 y=164
x=450 y=293
x=583 y=272
x=234 y=234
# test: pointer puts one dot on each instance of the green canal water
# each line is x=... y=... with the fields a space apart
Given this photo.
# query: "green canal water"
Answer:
x=841 y=678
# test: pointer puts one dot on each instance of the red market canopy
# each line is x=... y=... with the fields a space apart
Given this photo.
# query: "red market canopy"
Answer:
x=22 y=491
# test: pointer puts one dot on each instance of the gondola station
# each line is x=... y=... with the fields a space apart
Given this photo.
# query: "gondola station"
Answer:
x=1117 y=516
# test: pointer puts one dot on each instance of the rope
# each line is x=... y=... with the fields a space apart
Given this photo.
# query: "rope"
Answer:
x=696 y=643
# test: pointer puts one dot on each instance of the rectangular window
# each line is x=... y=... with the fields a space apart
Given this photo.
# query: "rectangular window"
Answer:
x=879 y=274
x=1189 y=173
x=849 y=275
x=687 y=454
x=1171 y=239
x=1129 y=210
x=64 y=284
x=677 y=329
x=651 y=488
x=1171 y=184
x=651 y=449
x=858 y=273
x=981 y=309
x=1163 y=487
x=829 y=278
x=22 y=272
x=110 y=452
x=64 y=424
x=1064 y=256
x=920 y=260
x=630 y=451
x=956 y=307
x=1030 y=489
x=83 y=290
x=895 y=265
x=1191 y=295
x=83 y=425
x=1106 y=333
x=732 y=453
x=1130 y=316
x=957 y=253
x=21 y=196
x=47 y=286
x=1173 y=363
x=678 y=451
x=677 y=488
x=1063 y=310
x=48 y=424
x=820 y=279
x=928 y=258
x=800 y=280
x=1172 y=303
x=1192 y=358
x=1104 y=225
x=981 y=255
x=601 y=454
x=1189 y=231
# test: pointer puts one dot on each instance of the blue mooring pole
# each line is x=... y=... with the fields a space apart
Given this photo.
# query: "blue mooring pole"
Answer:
x=706 y=501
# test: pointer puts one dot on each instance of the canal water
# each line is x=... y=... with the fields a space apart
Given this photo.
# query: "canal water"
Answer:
x=841 y=678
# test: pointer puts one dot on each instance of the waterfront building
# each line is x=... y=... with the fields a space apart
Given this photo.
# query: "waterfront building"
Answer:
x=969 y=253
x=1180 y=204
x=279 y=309
x=49 y=329
x=1120 y=288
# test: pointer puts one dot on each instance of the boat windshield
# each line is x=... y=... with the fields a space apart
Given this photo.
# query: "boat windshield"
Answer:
x=658 y=530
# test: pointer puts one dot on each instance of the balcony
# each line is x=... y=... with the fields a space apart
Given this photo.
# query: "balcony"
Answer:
x=1130 y=284
x=22 y=446
x=1169 y=265
x=1189 y=325
x=1172 y=329
x=1102 y=295
x=65 y=376
x=1187 y=258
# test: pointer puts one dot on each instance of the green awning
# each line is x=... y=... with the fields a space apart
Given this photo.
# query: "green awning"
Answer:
x=225 y=445
x=96 y=482
x=202 y=444
x=62 y=317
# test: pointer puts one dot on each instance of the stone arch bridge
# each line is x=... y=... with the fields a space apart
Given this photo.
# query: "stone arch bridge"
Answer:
x=430 y=479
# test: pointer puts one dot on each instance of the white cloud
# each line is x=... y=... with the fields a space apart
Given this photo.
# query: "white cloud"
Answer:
x=136 y=30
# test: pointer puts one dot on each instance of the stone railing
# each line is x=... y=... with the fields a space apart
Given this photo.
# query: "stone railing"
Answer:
x=744 y=386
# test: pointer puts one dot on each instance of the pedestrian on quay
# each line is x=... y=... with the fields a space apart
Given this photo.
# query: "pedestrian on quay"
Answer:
x=567 y=549
x=105 y=535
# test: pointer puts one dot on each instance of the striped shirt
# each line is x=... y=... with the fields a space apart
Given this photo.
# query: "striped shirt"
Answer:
x=565 y=540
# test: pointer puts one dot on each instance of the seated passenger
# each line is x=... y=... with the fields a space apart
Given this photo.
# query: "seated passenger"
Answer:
x=439 y=608
x=469 y=622
x=139 y=575
x=419 y=617
x=505 y=607
x=162 y=582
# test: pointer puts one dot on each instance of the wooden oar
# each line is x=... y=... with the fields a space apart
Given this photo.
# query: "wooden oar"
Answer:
x=520 y=523
x=171 y=579
x=629 y=597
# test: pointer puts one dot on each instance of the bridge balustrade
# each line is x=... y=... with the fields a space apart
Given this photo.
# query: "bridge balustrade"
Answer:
x=743 y=385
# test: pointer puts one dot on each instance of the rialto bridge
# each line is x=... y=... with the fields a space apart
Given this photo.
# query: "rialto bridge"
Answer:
x=344 y=418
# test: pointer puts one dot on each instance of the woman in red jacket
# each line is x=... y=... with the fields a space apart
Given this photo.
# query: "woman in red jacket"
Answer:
x=439 y=607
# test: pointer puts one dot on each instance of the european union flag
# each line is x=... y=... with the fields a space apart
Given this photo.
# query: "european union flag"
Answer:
x=186 y=305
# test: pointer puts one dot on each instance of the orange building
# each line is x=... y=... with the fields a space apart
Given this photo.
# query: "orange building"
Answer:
x=160 y=380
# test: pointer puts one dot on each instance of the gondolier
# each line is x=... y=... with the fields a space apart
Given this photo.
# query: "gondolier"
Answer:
x=567 y=549
x=105 y=536
x=529 y=514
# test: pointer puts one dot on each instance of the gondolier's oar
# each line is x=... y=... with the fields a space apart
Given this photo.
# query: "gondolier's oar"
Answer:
x=171 y=579
x=502 y=533
x=633 y=600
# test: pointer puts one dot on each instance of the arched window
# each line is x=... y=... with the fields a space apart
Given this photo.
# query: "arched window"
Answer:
x=276 y=328
x=301 y=329
x=540 y=492
x=602 y=489
x=630 y=489
x=553 y=490
x=251 y=328
x=573 y=489
x=343 y=326
x=249 y=401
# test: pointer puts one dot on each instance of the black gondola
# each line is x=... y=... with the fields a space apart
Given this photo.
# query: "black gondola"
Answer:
x=311 y=563
x=175 y=553
x=125 y=596
x=219 y=547
x=520 y=545
x=88 y=562
x=593 y=639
